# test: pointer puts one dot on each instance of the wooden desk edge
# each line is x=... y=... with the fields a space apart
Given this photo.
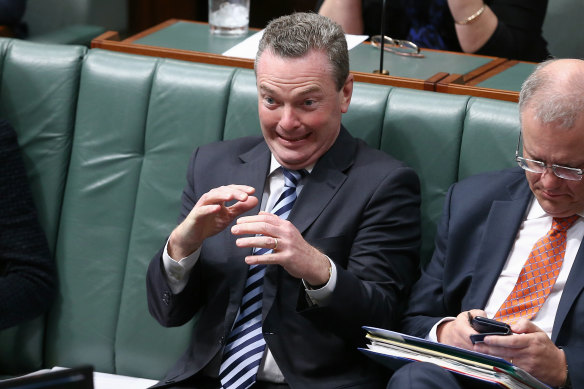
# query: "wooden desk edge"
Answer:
x=183 y=55
x=468 y=90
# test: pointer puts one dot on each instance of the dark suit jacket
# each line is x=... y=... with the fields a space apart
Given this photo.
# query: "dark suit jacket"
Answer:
x=479 y=225
x=360 y=207
x=27 y=272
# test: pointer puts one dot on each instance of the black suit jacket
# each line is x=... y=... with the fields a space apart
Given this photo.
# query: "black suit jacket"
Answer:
x=360 y=207
x=479 y=225
x=27 y=272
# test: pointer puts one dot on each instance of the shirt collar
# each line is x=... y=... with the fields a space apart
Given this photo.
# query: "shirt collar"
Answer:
x=274 y=165
x=535 y=211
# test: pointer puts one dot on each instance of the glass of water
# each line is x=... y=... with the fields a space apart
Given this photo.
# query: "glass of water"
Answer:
x=228 y=17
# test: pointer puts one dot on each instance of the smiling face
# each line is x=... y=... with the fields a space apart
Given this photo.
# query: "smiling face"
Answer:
x=552 y=145
x=300 y=106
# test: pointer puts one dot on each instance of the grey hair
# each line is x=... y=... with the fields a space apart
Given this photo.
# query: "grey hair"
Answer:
x=295 y=35
x=553 y=101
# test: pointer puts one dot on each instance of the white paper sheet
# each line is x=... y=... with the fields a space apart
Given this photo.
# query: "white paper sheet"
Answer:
x=114 y=381
x=109 y=381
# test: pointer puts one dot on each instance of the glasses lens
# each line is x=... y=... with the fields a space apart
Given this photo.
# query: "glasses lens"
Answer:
x=404 y=47
x=568 y=173
x=531 y=165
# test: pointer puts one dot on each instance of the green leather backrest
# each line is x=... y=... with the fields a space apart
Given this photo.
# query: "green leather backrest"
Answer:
x=424 y=130
x=38 y=96
x=491 y=130
x=138 y=121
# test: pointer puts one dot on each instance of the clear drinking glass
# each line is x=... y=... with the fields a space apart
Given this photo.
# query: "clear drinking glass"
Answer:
x=229 y=17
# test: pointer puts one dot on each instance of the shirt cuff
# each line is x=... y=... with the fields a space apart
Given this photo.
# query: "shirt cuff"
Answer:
x=178 y=272
x=321 y=296
x=433 y=334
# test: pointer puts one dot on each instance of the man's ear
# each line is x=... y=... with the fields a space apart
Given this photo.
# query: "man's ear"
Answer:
x=346 y=93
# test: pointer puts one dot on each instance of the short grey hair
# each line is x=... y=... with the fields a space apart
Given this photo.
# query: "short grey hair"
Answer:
x=295 y=35
x=552 y=100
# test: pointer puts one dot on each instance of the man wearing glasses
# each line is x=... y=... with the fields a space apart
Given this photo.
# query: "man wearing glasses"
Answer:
x=508 y=248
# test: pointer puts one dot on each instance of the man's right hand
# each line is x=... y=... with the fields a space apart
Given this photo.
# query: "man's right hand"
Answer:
x=457 y=332
x=210 y=216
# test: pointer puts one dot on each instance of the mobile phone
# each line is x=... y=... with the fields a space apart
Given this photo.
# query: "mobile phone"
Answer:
x=485 y=327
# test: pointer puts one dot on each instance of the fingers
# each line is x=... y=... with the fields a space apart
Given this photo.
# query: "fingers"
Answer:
x=264 y=242
x=524 y=326
x=224 y=194
x=261 y=224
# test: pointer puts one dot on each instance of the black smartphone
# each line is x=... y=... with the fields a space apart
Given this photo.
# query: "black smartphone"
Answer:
x=485 y=327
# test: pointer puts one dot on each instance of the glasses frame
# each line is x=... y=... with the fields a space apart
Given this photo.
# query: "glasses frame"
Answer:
x=522 y=162
x=391 y=45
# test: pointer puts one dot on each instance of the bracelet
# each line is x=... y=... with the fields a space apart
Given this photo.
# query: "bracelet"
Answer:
x=472 y=17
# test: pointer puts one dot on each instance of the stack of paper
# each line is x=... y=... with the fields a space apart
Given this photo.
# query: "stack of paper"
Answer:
x=394 y=349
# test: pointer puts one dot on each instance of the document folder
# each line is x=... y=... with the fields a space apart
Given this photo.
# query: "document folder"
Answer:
x=394 y=349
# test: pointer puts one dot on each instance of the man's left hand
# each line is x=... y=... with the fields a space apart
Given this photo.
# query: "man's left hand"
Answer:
x=292 y=252
x=531 y=349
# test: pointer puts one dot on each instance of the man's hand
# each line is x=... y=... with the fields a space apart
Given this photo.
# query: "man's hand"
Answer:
x=292 y=252
x=208 y=217
x=457 y=332
x=531 y=349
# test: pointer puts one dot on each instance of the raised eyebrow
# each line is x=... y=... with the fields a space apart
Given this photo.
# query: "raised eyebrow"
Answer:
x=309 y=90
x=266 y=89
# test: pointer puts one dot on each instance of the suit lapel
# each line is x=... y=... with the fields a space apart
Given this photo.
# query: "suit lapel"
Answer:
x=504 y=220
x=574 y=286
x=325 y=180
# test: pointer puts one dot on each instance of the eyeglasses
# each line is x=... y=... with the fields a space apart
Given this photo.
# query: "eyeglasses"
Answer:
x=396 y=46
x=567 y=173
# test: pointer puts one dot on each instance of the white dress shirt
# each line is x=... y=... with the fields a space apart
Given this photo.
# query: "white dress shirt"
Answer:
x=536 y=224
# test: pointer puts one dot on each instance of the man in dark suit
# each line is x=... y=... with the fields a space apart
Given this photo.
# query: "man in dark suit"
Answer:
x=27 y=272
x=344 y=257
x=489 y=226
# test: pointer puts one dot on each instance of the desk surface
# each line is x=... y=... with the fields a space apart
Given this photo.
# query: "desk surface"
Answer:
x=184 y=35
x=461 y=73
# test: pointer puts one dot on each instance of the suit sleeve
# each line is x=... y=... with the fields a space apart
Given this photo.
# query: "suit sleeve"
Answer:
x=27 y=272
x=167 y=308
x=382 y=262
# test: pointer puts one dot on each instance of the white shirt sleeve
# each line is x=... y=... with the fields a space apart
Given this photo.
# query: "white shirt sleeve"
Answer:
x=178 y=272
x=433 y=334
x=322 y=295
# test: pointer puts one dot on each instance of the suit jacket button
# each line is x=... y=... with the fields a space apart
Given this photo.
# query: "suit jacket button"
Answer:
x=166 y=298
x=222 y=340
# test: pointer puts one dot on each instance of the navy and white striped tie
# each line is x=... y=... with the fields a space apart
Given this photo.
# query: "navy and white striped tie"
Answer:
x=246 y=344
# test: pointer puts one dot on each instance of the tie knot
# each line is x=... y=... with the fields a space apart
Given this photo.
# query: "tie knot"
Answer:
x=563 y=223
x=292 y=177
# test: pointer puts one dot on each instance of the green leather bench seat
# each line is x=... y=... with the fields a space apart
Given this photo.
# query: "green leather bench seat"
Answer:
x=114 y=132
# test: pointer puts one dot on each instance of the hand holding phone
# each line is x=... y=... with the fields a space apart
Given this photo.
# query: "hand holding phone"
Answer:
x=485 y=327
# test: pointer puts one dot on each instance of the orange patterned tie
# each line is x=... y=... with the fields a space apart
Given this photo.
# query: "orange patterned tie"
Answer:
x=539 y=274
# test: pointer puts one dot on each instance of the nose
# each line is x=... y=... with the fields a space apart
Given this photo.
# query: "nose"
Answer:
x=549 y=179
x=289 y=119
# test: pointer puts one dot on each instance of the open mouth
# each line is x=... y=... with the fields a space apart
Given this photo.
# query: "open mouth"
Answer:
x=294 y=139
